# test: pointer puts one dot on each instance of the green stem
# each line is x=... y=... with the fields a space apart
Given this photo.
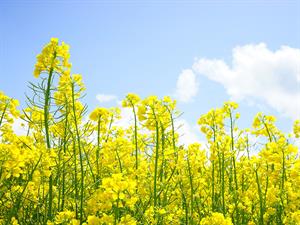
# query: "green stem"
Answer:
x=156 y=165
x=135 y=138
x=75 y=177
x=80 y=156
x=3 y=113
x=223 y=184
x=64 y=150
x=261 y=217
x=191 y=190
x=98 y=151
x=46 y=124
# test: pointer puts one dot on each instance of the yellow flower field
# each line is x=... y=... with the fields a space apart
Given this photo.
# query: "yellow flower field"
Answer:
x=78 y=168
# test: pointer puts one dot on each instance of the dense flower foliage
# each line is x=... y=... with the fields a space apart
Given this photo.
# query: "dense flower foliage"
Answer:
x=75 y=168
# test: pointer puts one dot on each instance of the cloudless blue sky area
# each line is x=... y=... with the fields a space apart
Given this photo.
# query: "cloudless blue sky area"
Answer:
x=141 y=46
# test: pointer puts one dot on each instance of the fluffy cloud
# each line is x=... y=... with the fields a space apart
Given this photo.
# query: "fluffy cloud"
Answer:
x=20 y=127
x=126 y=119
x=187 y=134
x=258 y=73
x=187 y=86
x=106 y=98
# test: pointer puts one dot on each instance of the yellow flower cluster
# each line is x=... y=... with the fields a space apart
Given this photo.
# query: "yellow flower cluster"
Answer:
x=75 y=166
x=53 y=58
x=297 y=128
x=216 y=219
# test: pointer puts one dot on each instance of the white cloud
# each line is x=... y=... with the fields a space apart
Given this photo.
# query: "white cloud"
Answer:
x=187 y=86
x=296 y=142
x=187 y=133
x=20 y=127
x=126 y=119
x=259 y=73
x=106 y=98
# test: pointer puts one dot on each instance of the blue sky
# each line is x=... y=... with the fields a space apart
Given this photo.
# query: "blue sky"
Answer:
x=145 y=46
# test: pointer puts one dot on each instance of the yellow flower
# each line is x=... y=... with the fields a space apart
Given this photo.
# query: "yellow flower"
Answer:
x=63 y=217
x=99 y=113
x=216 y=219
x=297 y=128
x=127 y=220
x=14 y=221
x=130 y=100
x=93 y=220
x=74 y=222
x=54 y=57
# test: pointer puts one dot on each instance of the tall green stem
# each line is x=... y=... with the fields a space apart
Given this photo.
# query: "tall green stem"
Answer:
x=80 y=156
x=156 y=165
x=3 y=113
x=191 y=189
x=46 y=124
x=98 y=152
x=135 y=138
